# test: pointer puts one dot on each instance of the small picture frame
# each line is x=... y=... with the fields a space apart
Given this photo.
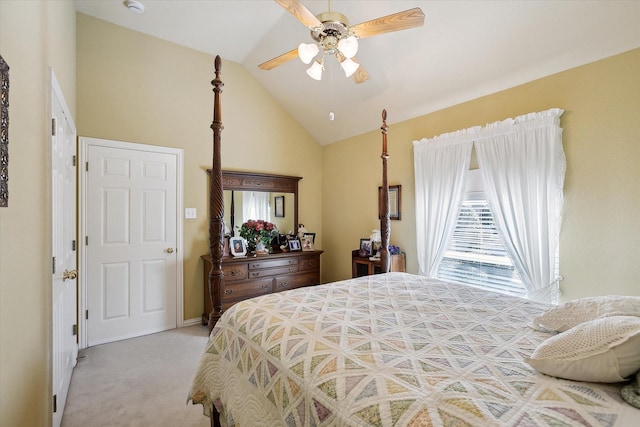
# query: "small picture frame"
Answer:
x=307 y=242
x=395 y=202
x=238 y=247
x=365 y=245
x=279 y=206
x=294 y=245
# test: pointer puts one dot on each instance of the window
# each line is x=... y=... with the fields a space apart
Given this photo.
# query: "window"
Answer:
x=524 y=159
x=476 y=254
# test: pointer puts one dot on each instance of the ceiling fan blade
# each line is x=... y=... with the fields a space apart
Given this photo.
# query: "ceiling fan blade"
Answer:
x=279 y=60
x=300 y=12
x=361 y=75
x=398 y=21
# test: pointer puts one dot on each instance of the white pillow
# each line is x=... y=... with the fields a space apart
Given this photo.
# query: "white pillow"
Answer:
x=602 y=350
x=572 y=313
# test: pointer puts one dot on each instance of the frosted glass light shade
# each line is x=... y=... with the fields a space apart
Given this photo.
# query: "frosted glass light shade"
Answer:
x=306 y=52
x=315 y=71
x=348 y=46
x=349 y=66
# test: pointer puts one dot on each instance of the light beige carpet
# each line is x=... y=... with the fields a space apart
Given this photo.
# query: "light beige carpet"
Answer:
x=138 y=382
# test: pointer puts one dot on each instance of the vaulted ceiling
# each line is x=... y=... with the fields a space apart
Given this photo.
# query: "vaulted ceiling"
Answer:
x=466 y=49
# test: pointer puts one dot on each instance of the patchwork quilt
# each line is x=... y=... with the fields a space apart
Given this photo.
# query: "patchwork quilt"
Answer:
x=390 y=350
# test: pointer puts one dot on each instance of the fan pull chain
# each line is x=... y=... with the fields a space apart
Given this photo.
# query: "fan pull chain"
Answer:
x=332 y=116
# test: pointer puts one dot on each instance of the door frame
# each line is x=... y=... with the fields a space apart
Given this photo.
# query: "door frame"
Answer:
x=83 y=147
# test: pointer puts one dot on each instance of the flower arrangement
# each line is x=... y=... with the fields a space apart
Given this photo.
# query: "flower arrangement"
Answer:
x=394 y=250
x=254 y=231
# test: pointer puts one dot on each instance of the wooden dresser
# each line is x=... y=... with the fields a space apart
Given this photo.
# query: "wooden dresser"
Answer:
x=253 y=276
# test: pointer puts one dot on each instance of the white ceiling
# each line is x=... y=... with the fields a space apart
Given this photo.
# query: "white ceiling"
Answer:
x=466 y=49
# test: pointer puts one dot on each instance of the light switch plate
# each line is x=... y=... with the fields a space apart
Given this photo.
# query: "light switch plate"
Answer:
x=190 y=213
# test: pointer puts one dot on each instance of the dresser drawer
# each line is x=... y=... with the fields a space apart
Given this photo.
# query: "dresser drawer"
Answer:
x=272 y=263
x=309 y=263
x=270 y=272
x=234 y=272
x=296 y=281
x=250 y=277
x=248 y=289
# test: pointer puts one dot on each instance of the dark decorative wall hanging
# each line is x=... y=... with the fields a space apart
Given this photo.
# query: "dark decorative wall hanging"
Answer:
x=4 y=133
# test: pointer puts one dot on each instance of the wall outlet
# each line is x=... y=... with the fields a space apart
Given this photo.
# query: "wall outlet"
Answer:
x=190 y=213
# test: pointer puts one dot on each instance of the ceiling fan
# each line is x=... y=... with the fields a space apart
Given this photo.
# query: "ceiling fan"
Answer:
x=332 y=35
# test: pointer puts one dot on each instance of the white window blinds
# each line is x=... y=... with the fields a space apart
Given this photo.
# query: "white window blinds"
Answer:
x=476 y=255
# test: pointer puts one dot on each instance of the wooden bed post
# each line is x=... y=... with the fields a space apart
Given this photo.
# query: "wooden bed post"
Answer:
x=216 y=204
x=385 y=223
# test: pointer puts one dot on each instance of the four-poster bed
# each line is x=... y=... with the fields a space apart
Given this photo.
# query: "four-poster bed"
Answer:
x=392 y=349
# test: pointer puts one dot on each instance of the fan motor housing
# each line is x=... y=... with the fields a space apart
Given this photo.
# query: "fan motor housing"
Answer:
x=335 y=26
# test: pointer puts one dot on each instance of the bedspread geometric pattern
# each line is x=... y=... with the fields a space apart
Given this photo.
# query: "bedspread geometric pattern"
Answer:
x=390 y=350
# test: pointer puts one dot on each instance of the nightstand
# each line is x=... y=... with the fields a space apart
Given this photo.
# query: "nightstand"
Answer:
x=365 y=266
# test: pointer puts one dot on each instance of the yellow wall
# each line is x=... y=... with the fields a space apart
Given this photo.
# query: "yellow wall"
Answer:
x=600 y=237
x=137 y=88
x=34 y=35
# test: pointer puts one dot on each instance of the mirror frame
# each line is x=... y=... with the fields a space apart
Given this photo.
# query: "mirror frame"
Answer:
x=252 y=181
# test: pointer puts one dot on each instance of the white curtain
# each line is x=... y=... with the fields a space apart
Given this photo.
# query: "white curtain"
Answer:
x=255 y=205
x=440 y=166
x=523 y=165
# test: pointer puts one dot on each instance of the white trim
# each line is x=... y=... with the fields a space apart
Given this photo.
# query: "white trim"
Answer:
x=192 y=322
x=84 y=143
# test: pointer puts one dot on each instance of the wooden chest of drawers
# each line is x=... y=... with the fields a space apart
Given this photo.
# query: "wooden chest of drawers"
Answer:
x=254 y=276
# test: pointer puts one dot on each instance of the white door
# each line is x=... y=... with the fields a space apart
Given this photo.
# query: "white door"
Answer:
x=131 y=239
x=63 y=192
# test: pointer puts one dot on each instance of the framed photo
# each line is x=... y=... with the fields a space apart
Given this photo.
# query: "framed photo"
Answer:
x=307 y=241
x=395 y=202
x=365 y=245
x=279 y=210
x=294 y=245
x=4 y=133
x=238 y=247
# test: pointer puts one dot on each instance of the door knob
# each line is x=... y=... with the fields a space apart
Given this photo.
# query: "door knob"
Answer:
x=169 y=250
x=69 y=274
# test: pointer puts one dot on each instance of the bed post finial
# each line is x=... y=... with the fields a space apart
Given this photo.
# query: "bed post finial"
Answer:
x=385 y=223
x=216 y=203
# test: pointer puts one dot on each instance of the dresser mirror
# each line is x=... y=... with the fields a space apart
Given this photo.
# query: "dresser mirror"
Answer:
x=254 y=194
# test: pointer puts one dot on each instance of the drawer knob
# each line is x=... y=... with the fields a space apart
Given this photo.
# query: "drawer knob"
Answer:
x=265 y=286
x=233 y=273
x=228 y=291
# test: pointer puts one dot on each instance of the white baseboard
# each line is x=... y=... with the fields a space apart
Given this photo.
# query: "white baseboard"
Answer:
x=191 y=322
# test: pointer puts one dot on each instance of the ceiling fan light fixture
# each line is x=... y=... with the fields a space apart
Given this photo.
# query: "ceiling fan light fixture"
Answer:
x=348 y=46
x=306 y=52
x=349 y=66
x=315 y=71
